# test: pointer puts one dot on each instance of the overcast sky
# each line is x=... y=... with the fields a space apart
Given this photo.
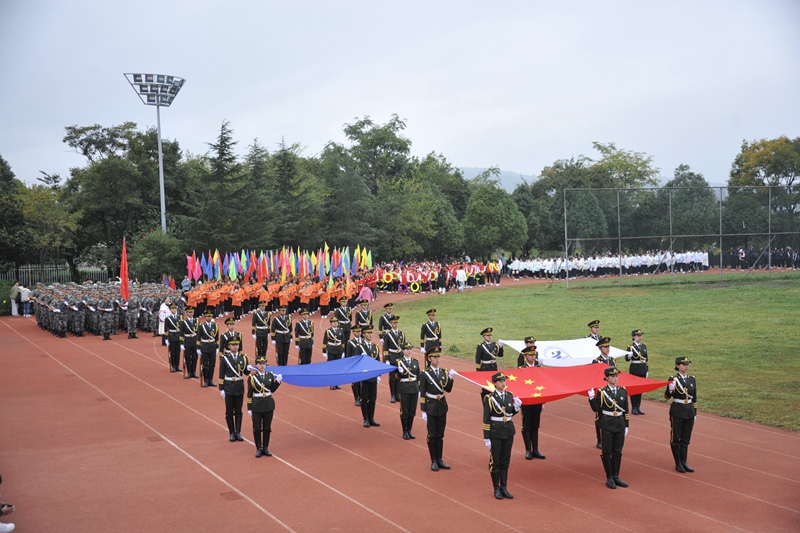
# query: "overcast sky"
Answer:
x=513 y=84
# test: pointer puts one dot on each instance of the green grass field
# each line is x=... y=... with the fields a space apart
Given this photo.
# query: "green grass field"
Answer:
x=742 y=336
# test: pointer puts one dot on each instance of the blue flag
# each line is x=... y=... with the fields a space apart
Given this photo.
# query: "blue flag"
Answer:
x=338 y=372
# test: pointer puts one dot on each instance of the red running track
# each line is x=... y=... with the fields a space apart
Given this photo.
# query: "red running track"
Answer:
x=100 y=436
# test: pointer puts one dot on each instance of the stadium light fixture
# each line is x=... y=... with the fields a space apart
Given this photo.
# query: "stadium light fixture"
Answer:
x=159 y=90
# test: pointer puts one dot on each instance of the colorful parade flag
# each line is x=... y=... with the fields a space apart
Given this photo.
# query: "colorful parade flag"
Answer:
x=574 y=352
x=330 y=373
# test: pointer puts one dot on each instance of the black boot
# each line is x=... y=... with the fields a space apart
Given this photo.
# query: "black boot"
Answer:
x=616 y=462
x=496 y=482
x=676 y=454
x=439 y=447
x=265 y=444
x=433 y=453
x=609 y=475
x=535 y=445
x=404 y=423
x=684 y=453
x=257 y=440
x=409 y=423
x=599 y=441
x=503 y=483
x=528 y=448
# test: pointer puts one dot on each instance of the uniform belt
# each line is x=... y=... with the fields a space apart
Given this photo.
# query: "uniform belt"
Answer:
x=488 y=361
x=499 y=418
x=431 y=338
x=233 y=378
x=637 y=362
x=207 y=341
x=173 y=331
x=261 y=394
x=613 y=413
x=675 y=400
x=262 y=327
x=188 y=336
x=434 y=396
x=304 y=337
x=408 y=379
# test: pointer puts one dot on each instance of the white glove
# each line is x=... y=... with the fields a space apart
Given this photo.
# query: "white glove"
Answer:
x=278 y=377
x=500 y=344
x=517 y=403
x=452 y=373
x=542 y=407
x=379 y=379
x=298 y=347
x=591 y=394
x=167 y=343
x=325 y=356
x=626 y=432
x=251 y=368
x=273 y=342
x=198 y=351
x=222 y=393
x=249 y=412
x=424 y=416
x=254 y=336
x=488 y=443
x=671 y=386
x=182 y=348
x=647 y=374
x=422 y=350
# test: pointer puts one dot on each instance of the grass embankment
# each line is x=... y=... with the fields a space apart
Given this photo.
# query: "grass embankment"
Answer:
x=742 y=338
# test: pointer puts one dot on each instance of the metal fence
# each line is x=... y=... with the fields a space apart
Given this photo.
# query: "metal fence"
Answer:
x=29 y=275
x=734 y=229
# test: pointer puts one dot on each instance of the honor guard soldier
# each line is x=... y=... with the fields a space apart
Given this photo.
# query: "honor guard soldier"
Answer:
x=209 y=337
x=260 y=328
x=261 y=405
x=611 y=405
x=431 y=333
x=232 y=369
x=304 y=337
x=594 y=330
x=363 y=315
x=172 y=327
x=369 y=387
x=638 y=357
x=530 y=342
x=344 y=314
x=682 y=389
x=189 y=327
x=433 y=384
x=229 y=335
x=408 y=387
x=393 y=342
x=604 y=345
x=531 y=414
x=384 y=323
x=282 y=335
x=353 y=348
x=333 y=343
x=488 y=351
x=498 y=432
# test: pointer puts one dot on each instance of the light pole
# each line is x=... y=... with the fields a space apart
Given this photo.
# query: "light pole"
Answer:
x=158 y=90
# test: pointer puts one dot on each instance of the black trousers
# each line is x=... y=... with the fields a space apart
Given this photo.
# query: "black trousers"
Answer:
x=369 y=394
x=500 y=458
x=305 y=356
x=282 y=353
x=233 y=412
x=262 y=427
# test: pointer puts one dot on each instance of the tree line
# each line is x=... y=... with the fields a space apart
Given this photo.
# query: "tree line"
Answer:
x=369 y=191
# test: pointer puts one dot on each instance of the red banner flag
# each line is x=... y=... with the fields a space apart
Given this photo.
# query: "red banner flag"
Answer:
x=123 y=272
x=535 y=385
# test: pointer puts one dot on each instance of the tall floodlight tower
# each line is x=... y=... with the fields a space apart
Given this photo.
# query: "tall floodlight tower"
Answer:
x=158 y=90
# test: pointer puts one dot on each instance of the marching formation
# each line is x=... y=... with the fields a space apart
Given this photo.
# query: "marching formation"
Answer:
x=198 y=349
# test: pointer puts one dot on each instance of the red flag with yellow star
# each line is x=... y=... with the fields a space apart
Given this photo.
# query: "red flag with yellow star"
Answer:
x=535 y=385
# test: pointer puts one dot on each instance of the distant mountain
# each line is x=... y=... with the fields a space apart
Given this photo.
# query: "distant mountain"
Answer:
x=508 y=179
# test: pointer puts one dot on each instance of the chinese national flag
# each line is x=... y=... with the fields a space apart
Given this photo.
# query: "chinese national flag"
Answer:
x=535 y=385
x=123 y=273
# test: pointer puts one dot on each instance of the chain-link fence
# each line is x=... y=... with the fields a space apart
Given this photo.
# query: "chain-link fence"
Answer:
x=645 y=233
